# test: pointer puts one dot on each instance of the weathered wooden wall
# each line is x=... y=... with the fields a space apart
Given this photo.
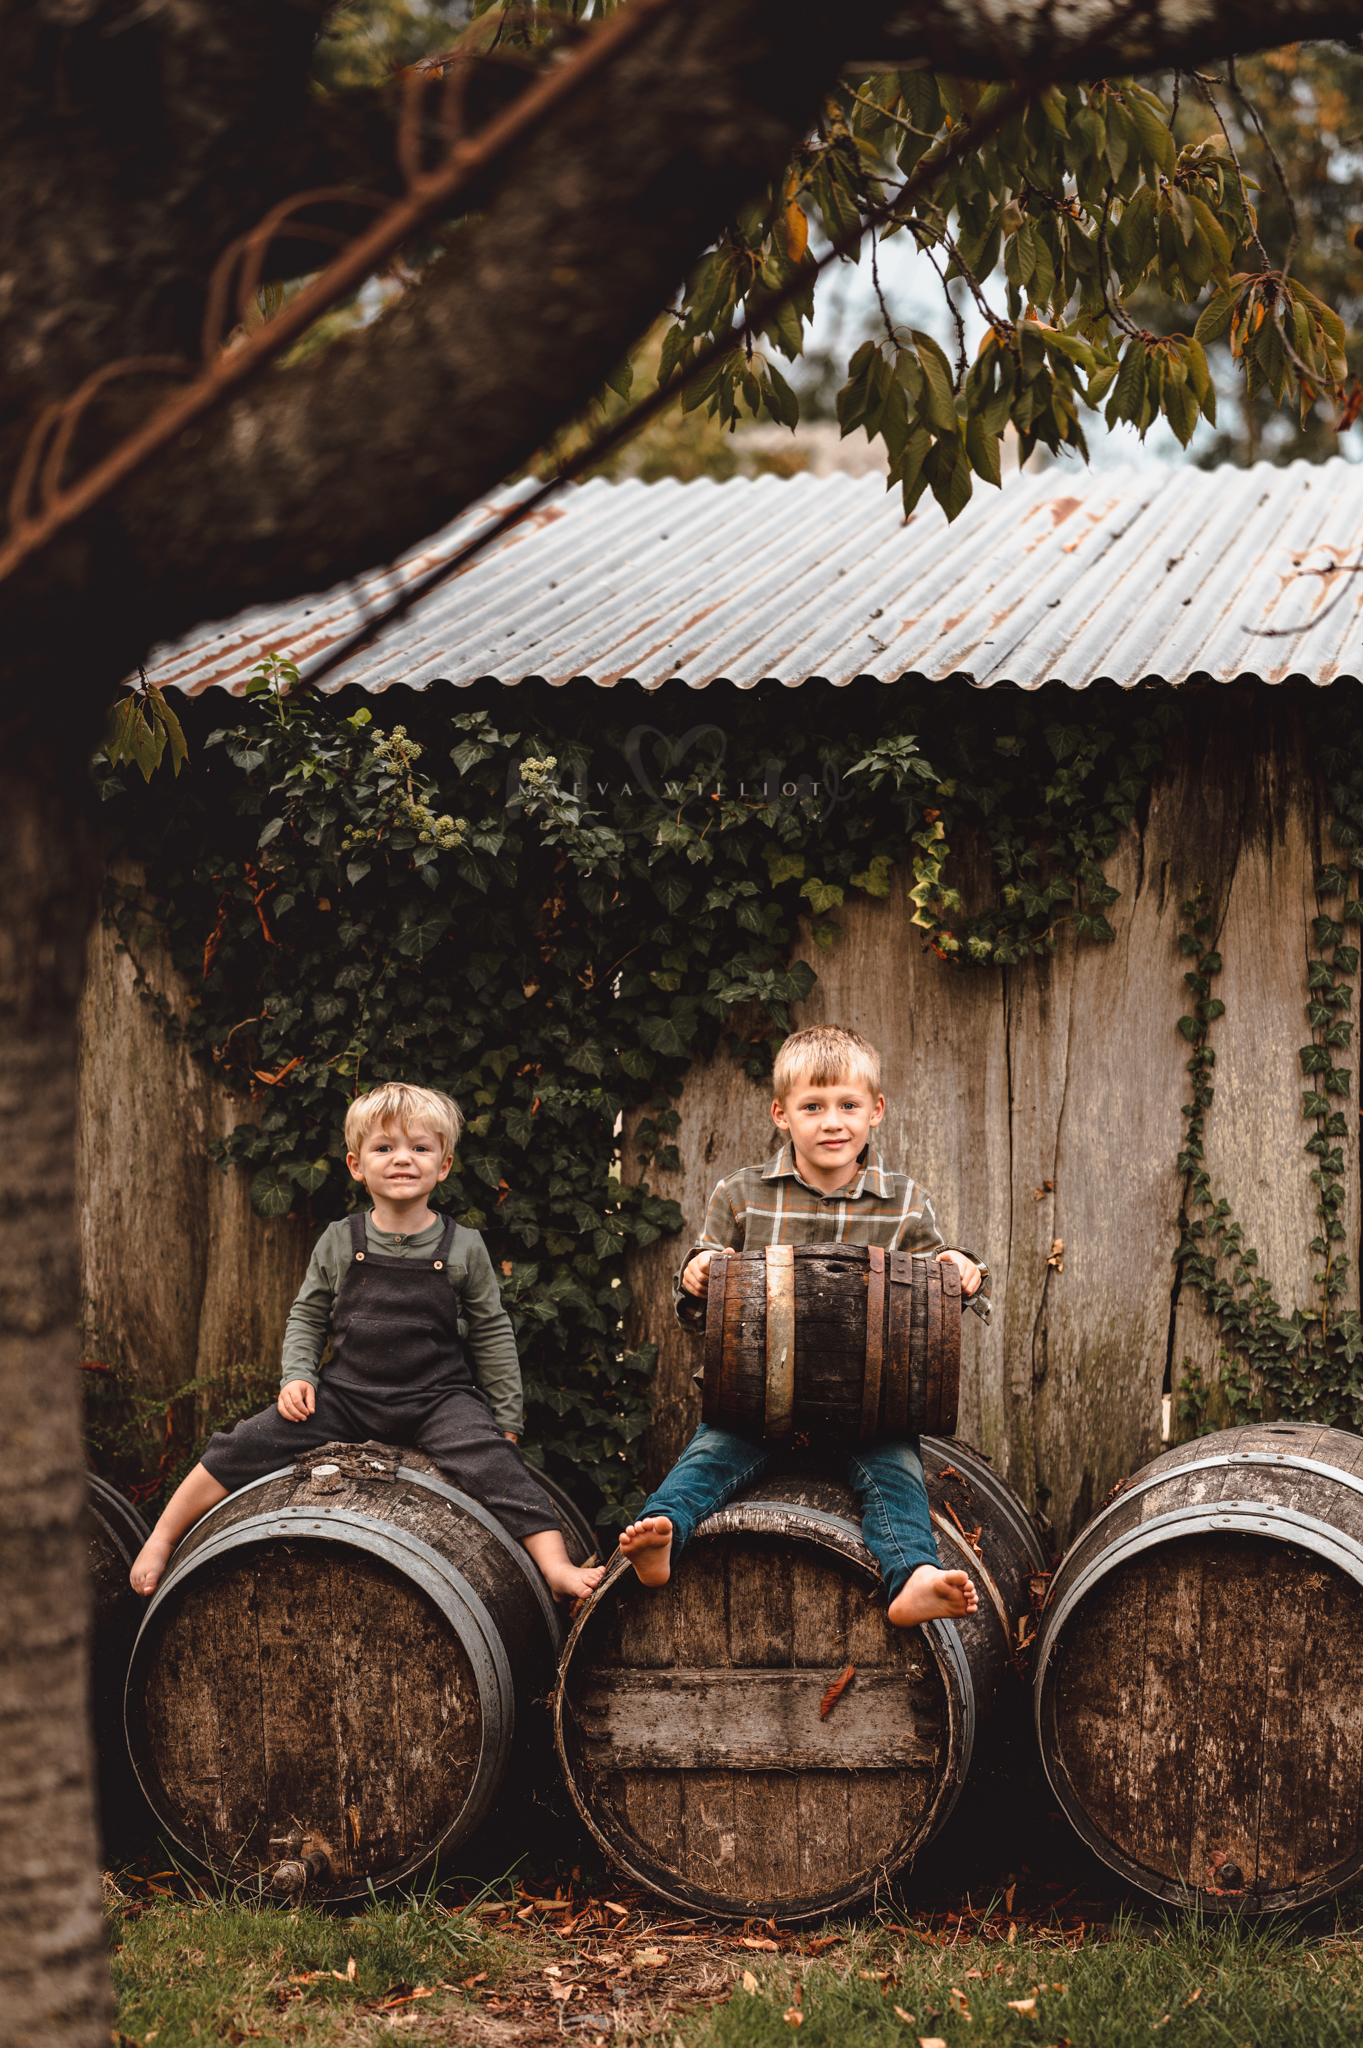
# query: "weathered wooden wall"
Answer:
x=181 y=1281
x=1071 y=1069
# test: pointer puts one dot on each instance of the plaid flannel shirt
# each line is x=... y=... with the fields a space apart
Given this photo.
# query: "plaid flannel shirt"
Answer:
x=775 y=1204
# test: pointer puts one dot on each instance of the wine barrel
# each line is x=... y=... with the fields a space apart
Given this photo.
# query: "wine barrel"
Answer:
x=334 y=1670
x=116 y=1532
x=832 y=1343
x=1199 y=1674
x=687 y=1717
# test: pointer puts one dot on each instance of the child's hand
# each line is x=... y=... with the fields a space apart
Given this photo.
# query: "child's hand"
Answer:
x=970 y=1273
x=696 y=1277
x=297 y=1400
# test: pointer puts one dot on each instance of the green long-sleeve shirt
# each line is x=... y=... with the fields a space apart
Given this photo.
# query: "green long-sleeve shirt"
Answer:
x=484 y=1325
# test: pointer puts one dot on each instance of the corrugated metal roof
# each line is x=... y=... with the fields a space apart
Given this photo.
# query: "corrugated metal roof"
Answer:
x=1070 y=575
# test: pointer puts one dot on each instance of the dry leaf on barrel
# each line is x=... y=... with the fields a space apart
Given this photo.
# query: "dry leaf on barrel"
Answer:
x=1057 y=1258
x=836 y=1691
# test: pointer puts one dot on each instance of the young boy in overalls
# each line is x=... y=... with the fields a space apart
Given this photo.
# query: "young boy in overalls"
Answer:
x=827 y=1185
x=398 y=1291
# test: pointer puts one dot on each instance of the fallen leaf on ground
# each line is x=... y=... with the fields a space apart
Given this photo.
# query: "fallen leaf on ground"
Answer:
x=931 y=2041
x=958 y=2001
x=793 y=2016
x=900 y=2014
x=1022 y=2004
x=561 y=1993
x=553 y=1970
x=350 y=1970
x=749 y=1983
x=836 y=1691
x=611 y=1907
x=406 y=1997
x=823 y=1941
x=759 y=1941
x=1196 y=1995
x=653 y=1958
x=469 y=1982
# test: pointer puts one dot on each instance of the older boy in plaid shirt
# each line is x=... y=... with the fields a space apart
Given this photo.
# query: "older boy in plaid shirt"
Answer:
x=827 y=1185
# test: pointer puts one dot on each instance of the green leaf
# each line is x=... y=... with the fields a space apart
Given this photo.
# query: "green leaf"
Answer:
x=421 y=928
x=271 y=1193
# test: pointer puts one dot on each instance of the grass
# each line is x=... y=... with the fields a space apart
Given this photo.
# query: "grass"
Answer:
x=1183 y=1985
x=191 y=1971
x=201 y=1970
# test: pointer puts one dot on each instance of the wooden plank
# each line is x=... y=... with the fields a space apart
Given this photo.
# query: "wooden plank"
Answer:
x=1232 y=1687
x=1313 y=1724
x=709 y=1853
x=1159 y=1822
x=298 y=1691
x=367 y=1611
x=761 y=1623
x=767 y=1834
x=649 y=1806
x=748 y=1720
x=780 y=1340
x=819 y=1594
x=440 y=1719
x=1093 y=1688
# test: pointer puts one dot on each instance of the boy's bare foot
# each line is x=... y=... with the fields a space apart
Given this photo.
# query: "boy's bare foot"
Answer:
x=573 y=1582
x=150 y=1562
x=648 y=1546
x=931 y=1595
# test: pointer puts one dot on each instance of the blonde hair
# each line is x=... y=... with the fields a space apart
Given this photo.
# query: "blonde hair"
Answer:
x=397 y=1102
x=821 y=1056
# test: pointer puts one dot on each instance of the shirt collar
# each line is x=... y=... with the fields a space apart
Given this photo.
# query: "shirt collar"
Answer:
x=431 y=1231
x=872 y=1178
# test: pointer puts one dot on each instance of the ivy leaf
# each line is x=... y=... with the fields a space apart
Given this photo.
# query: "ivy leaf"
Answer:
x=419 y=929
x=271 y=1193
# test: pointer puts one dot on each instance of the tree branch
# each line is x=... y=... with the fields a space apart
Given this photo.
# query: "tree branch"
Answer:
x=1082 y=39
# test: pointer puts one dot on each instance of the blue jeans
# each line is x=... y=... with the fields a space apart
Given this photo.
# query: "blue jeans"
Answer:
x=887 y=1480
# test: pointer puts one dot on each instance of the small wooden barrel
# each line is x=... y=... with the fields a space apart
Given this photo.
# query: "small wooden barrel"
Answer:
x=344 y=1653
x=688 y=1718
x=117 y=1533
x=836 y=1343
x=1199 y=1676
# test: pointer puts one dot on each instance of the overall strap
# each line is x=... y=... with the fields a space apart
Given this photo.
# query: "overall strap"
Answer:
x=358 y=1240
x=442 y=1250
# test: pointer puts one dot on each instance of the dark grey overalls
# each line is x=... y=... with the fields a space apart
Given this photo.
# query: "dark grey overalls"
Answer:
x=397 y=1374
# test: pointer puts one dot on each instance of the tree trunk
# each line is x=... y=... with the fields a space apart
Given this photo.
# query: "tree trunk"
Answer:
x=53 y=1981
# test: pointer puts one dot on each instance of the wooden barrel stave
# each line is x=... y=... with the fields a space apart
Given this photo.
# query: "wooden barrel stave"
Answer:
x=342 y=1651
x=899 y=1378
x=1242 y=1555
x=687 y=1720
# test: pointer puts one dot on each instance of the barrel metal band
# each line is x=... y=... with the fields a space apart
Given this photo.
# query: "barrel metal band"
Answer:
x=899 y=1273
x=441 y=1581
x=933 y=1342
x=949 y=1341
x=981 y=1478
x=978 y=1570
x=1222 y=1461
x=780 y=1340
x=875 y=1342
x=1242 y=1517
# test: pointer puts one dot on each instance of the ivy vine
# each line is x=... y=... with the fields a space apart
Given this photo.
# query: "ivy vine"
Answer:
x=1307 y=1365
x=549 y=909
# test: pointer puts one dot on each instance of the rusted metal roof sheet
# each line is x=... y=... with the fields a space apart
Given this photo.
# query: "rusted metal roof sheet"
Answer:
x=1073 y=576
